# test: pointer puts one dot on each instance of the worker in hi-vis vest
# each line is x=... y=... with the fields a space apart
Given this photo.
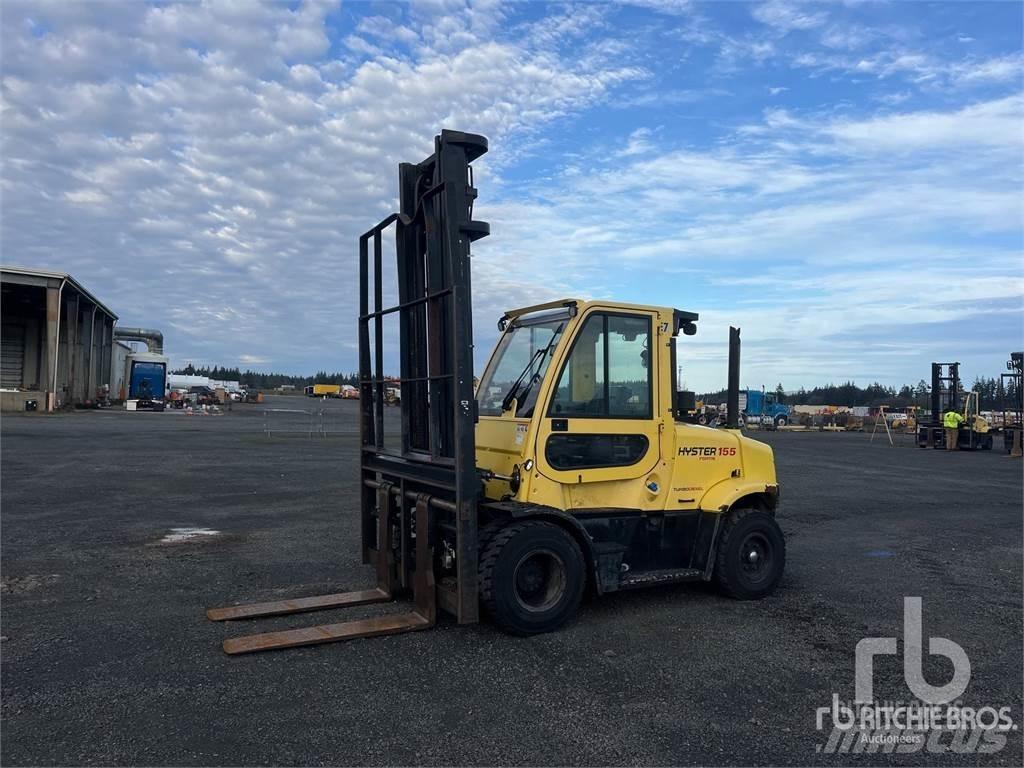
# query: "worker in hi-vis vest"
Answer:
x=951 y=421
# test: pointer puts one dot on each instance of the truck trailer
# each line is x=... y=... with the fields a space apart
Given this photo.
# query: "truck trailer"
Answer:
x=324 y=390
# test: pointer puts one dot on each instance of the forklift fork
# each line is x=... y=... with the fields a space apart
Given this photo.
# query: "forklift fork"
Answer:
x=423 y=615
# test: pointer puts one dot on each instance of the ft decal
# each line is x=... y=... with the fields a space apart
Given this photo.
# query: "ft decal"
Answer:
x=708 y=451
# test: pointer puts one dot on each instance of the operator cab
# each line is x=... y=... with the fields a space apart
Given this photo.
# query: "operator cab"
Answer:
x=578 y=409
x=609 y=374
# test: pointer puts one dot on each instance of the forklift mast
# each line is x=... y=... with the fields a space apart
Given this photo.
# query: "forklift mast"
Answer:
x=945 y=396
x=424 y=490
x=948 y=385
x=1012 y=384
x=436 y=457
x=1013 y=417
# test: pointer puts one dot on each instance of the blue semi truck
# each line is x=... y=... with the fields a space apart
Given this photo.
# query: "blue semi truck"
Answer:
x=759 y=407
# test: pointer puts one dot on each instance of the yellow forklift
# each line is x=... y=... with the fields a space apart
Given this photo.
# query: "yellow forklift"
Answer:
x=947 y=394
x=975 y=431
x=569 y=469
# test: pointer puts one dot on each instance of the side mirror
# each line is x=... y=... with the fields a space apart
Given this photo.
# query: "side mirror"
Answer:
x=684 y=406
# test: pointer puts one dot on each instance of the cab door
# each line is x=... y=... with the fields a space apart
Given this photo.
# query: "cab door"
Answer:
x=597 y=436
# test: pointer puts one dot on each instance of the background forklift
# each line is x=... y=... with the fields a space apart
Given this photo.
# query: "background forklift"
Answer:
x=947 y=395
x=1013 y=418
x=568 y=470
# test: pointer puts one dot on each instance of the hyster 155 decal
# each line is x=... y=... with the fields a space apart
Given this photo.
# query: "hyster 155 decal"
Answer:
x=707 y=451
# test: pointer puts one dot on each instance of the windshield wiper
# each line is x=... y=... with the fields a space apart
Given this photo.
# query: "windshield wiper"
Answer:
x=506 y=402
x=538 y=358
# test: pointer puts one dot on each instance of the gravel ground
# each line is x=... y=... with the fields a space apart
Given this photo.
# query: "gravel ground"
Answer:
x=107 y=657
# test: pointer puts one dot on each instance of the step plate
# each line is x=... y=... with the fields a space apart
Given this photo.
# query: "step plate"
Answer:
x=298 y=605
x=328 y=633
x=654 y=578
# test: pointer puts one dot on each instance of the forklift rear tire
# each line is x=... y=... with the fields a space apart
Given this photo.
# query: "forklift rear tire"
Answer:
x=532 y=577
x=751 y=555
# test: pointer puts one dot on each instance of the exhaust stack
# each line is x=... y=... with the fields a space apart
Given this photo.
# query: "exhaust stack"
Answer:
x=733 y=394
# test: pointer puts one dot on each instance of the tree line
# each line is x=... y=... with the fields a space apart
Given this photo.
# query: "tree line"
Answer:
x=259 y=380
x=994 y=394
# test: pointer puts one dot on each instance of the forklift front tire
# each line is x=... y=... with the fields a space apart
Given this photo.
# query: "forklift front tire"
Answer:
x=751 y=555
x=532 y=576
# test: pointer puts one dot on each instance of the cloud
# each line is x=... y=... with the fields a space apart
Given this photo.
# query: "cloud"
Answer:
x=638 y=144
x=86 y=196
x=994 y=124
x=218 y=157
x=1001 y=69
x=386 y=30
x=847 y=36
x=810 y=229
x=921 y=68
x=207 y=168
x=787 y=16
x=668 y=7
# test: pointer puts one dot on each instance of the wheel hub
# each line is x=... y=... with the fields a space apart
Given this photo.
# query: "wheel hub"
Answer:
x=539 y=580
x=756 y=555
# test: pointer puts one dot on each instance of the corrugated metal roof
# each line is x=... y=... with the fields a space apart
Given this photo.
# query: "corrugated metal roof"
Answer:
x=50 y=274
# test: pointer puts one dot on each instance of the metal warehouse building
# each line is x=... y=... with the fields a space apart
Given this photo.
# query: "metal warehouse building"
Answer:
x=57 y=341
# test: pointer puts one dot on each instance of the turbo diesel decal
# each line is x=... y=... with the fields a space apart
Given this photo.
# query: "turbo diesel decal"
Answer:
x=707 y=451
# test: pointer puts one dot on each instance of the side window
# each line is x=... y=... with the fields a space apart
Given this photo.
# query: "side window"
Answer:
x=581 y=389
x=629 y=370
x=566 y=451
x=608 y=372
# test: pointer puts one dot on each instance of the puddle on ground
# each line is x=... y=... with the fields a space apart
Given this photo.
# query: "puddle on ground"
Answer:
x=183 y=535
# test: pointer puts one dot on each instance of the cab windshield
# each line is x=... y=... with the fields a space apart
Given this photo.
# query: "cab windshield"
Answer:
x=518 y=366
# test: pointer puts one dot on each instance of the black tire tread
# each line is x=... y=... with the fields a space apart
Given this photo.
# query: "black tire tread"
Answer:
x=486 y=533
x=490 y=552
x=722 y=570
x=489 y=558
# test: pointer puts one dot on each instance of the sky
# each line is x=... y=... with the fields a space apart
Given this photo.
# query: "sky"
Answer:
x=841 y=180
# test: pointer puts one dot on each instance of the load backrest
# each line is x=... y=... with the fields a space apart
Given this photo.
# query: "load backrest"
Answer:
x=433 y=231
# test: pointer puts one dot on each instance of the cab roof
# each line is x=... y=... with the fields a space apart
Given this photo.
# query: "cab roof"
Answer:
x=682 y=320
